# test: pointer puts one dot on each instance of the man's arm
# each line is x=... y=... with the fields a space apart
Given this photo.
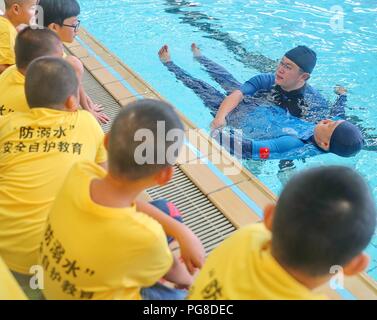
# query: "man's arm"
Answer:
x=338 y=108
x=263 y=81
x=228 y=105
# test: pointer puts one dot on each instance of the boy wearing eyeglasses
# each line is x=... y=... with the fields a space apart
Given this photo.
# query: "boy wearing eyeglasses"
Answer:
x=61 y=16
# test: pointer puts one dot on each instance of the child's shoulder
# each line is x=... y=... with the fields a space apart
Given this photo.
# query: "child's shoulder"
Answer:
x=6 y=25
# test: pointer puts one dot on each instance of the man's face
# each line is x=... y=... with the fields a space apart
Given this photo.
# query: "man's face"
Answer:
x=323 y=132
x=288 y=74
x=27 y=11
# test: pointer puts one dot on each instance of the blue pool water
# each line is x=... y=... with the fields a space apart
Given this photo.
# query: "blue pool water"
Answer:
x=233 y=32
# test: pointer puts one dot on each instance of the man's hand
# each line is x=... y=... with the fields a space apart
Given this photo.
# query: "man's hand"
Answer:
x=340 y=90
x=218 y=123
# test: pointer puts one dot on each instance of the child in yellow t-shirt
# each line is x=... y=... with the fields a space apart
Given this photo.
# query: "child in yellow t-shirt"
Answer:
x=37 y=149
x=9 y=288
x=61 y=16
x=30 y=44
x=109 y=248
x=325 y=217
x=17 y=12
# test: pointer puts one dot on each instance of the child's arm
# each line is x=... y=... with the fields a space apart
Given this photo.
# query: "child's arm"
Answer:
x=104 y=165
x=179 y=275
x=3 y=67
x=192 y=250
x=85 y=101
x=96 y=110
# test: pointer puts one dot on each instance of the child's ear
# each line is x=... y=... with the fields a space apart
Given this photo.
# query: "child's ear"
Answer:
x=356 y=265
x=54 y=27
x=325 y=145
x=16 y=8
x=269 y=212
x=164 y=176
x=71 y=103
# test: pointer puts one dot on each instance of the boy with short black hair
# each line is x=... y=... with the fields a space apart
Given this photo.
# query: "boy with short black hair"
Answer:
x=30 y=44
x=61 y=16
x=324 y=217
x=17 y=12
x=108 y=224
x=37 y=149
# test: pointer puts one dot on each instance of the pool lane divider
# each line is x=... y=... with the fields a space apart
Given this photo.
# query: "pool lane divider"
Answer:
x=344 y=293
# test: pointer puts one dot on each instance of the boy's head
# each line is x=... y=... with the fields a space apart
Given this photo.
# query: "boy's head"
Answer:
x=35 y=43
x=51 y=83
x=61 y=16
x=20 y=11
x=324 y=217
x=339 y=137
x=144 y=142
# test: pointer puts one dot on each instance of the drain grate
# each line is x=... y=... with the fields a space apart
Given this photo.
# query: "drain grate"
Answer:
x=198 y=213
x=99 y=95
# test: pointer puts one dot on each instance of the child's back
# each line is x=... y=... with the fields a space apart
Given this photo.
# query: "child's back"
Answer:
x=112 y=251
x=37 y=149
x=324 y=217
x=95 y=252
x=8 y=34
x=10 y=290
x=30 y=45
x=242 y=268
x=17 y=12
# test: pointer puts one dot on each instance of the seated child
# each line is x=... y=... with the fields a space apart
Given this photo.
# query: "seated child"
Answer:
x=17 y=12
x=37 y=149
x=324 y=217
x=109 y=247
x=61 y=17
x=30 y=44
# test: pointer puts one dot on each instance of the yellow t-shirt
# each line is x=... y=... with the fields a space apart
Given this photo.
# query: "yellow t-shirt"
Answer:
x=242 y=268
x=37 y=149
x=12 y=88
x=94 y=252
x=9 y=288
x=8 y=34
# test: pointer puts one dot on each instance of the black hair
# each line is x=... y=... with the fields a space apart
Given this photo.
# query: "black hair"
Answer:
x=324 y=217
x=34 y=43
x=49 y=82
x=56 y=11
x=138 y=148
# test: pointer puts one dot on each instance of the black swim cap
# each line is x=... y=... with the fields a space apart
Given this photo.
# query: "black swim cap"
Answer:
x=346 y=140
x=304 y=57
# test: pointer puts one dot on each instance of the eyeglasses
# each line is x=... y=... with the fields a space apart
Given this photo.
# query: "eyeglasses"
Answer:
x=285 y=66
x=75 y=26
x=288 y=67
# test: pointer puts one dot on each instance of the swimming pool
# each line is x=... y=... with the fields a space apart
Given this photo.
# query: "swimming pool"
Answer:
x=232 y=32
